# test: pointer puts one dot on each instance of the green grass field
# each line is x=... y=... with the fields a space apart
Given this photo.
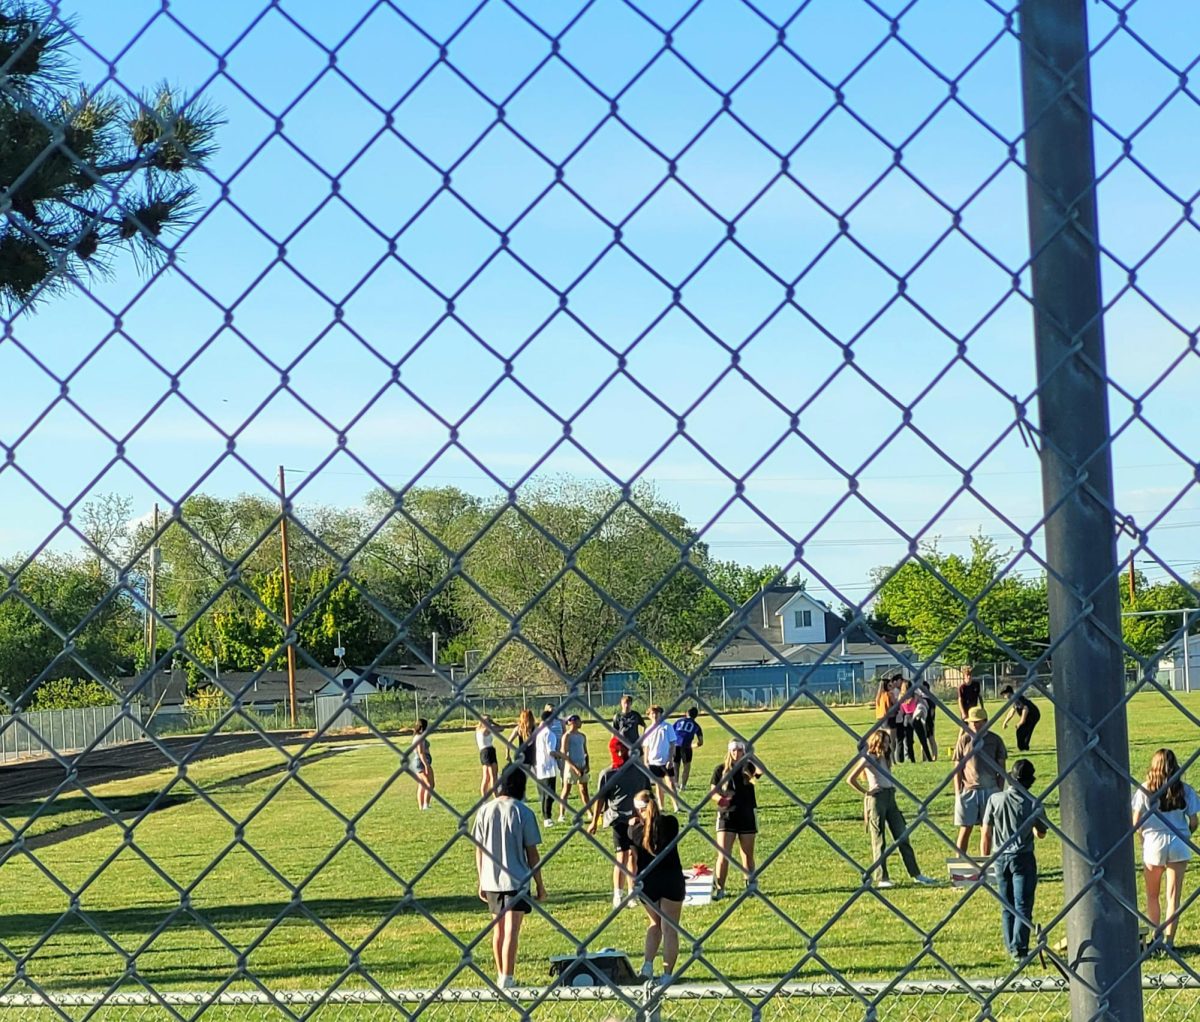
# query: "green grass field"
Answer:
x=241 y=910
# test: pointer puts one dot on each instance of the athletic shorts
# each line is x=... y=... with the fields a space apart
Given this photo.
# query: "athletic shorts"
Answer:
x=500 y=902
x=487 y=757
x=620 y=832
x=744 y=821
x=969 y=806
x=570 y=777
x=1159 y=849
x=683 y=754
x=663 y=770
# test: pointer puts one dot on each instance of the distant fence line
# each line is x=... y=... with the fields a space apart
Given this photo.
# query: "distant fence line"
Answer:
x=45 y=732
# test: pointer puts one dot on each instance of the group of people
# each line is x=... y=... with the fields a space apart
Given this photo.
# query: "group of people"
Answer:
x=650 y=761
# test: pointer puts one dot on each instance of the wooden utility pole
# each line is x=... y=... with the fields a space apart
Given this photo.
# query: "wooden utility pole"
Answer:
x=152 y=601
x=1132 y=584
x=287 y=597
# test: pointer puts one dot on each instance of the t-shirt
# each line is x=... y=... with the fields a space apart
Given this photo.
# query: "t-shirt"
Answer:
x=686 y=730
x=668 y=863
x=484 y=739
x=968 y=695
x=628 y=725
x=617 y=788
x=545 y=744
x=575 y=746
x=738 y=787
x=503 y=829
x=1011 y=814
x=878 y=773
x=657 y=742
x=1171 y=822
x=982 y=765
x=1025 y=709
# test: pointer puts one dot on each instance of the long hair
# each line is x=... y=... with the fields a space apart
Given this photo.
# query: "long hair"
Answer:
x=650 y=817
x=422 y=726
x=879 y=747
x=525 y=725
x=883 y=697
x=1164 y=782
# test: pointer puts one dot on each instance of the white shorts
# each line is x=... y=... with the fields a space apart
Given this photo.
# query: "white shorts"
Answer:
x=1159 y=849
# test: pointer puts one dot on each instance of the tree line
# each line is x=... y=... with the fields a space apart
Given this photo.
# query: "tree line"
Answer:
x=571 y=580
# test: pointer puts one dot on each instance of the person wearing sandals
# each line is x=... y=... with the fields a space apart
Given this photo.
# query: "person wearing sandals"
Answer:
x=1166 y=812
x=653 y=835
x=880 y=810
x=733 y=790
x=485 y=740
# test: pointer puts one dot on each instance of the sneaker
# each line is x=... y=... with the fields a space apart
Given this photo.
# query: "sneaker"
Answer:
x=884 y=885
x=718 y=893
x=506 y=982
x=547 y=822
x=665 y=979
x=618 y=899
x=924 y=881
x=647 y=970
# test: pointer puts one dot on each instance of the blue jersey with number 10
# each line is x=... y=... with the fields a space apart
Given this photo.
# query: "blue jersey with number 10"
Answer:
x=685 y=730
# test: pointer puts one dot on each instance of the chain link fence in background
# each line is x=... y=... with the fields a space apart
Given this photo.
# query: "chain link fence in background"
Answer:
x=556 y=314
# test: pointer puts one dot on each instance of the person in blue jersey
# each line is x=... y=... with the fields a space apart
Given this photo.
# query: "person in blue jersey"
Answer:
x=689 y=733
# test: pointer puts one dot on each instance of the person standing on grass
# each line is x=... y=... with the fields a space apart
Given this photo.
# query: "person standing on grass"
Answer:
x=980 y=758
x=1027 y=716
x=885 y=704
x=654 y=836
x=905 y=709
x=485 y=740
x=615 y=791
x=920 y=717
x=506 y=860
x=926 y=694
x=658 y=753
x=1166 y=812
x=880 y=809
x=733 y=790
x=574 y=753
x=546 y=765
x=523 y=739
x=628 y=723
x=969 y=693
x=1011 y=821
x=424 y=764
x=687 y=732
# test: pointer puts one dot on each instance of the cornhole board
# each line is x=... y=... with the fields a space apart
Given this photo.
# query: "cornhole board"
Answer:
x=595 y=968
x=965 y=872
x=697 y=890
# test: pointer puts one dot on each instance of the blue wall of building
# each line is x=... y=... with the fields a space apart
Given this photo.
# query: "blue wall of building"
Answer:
x=759 y=685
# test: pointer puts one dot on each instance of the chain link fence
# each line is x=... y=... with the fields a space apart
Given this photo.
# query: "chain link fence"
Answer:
x=550 y=313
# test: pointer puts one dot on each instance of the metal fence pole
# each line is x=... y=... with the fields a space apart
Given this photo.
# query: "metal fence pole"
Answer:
x=1077 y=489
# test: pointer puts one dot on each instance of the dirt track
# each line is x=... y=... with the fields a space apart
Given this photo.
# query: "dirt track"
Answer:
x=37 y=778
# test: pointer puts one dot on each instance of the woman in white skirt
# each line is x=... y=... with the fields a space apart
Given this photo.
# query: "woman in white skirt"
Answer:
x=1166 y=813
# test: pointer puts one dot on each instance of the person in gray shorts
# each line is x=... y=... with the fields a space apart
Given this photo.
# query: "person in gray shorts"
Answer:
x=980 y=759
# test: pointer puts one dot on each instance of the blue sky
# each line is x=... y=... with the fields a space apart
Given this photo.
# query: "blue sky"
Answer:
x=280 y=268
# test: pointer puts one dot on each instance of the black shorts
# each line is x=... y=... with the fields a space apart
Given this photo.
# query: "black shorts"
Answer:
x=487 y=757
x=666 y=770
x=744 y=821
x=620 y=832
x=655 y=888
x=500 y=902
x=683 y=754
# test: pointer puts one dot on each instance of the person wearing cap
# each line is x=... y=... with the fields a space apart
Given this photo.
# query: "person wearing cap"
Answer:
x=980 y=758
x=658 y=753
x=615 y=791
x=733 y=790
x=574 y=753
x=655 y=839
x=1011 y=821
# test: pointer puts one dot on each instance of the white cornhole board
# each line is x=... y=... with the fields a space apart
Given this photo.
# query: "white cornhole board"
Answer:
x=965 y=872
x=697 y=889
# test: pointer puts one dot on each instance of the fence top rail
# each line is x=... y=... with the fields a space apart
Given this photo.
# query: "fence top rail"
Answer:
x=680 y=991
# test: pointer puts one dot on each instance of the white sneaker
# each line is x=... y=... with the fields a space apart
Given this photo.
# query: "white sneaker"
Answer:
x=617 y=899
x=547 y=823
x=924 y=881
x=883 y=885
x=506 y=982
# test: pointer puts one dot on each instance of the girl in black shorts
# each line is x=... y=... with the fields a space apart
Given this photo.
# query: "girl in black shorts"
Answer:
x=485 y=740
x=653 y=835
x=737 y=811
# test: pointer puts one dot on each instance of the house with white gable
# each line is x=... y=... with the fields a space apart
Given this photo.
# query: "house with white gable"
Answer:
x=786 y=624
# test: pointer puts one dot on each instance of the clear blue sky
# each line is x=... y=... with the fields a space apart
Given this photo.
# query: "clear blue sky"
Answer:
x=298 y=122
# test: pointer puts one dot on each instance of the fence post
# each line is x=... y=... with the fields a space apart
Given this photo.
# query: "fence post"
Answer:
x=724 y=699
x=1076 y=462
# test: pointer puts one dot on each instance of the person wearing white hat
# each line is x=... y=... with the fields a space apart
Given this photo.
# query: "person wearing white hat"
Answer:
x=980 y=761
x=737 y=811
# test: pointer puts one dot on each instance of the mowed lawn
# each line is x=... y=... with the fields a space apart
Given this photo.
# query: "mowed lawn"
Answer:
x=258 y=886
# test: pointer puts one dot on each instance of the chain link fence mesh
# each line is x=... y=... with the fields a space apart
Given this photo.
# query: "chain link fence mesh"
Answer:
x=771 y=245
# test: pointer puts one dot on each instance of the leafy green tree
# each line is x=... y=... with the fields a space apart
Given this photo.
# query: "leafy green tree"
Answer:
x=1151 y=636
x=84 y=175
x=71 y=694
x=929 y=600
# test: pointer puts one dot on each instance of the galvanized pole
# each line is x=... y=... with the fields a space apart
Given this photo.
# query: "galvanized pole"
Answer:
x=1088 y=665
x=287 y=597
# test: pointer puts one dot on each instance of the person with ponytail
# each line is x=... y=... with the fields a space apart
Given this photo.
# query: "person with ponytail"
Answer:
x=1166 y=812
x=654 y=836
